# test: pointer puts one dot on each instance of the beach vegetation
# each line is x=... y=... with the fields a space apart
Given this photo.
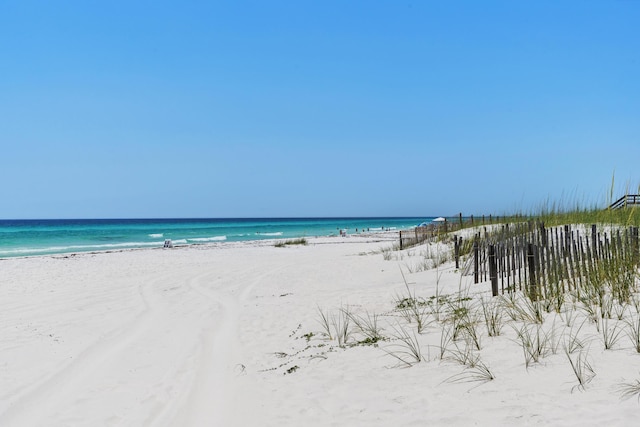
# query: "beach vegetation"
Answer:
x=465 y=326
x=633 y=331
x=369 y=326
x=292 y=369
x=535 y=342
x=628 y=390
x=446 y=339
x=572 y=340
x=283 y=243
x=479 y=372
x=572 y=304
x=568 y=315
x=466 y=355
x=581 y=368
x=341 y=323
x=323 y=320
x=411 y=308
x=610 y=334
x=492 y=314
x=405 y=348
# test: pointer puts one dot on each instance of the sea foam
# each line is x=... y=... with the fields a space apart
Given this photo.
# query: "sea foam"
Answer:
x=79 y=248
x=208 y=239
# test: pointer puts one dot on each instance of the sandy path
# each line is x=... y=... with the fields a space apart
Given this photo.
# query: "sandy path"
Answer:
x=134 y=338
x=161 y=362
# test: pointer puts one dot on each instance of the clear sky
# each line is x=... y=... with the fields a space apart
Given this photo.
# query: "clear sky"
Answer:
x=315 y=108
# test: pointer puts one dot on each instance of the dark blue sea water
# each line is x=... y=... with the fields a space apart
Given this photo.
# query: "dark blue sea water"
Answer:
x=44 y=237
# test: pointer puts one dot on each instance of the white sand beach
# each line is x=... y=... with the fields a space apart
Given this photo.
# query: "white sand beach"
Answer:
x=230 y=335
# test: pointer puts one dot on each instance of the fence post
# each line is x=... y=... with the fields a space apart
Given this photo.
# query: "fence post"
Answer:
x=456 y=247
x=475 y=262
x=594 y=241
x=493 y=270
x=634 y=243
x=401 y=240
x=543 y=233
x=531 y=261
x=460 y=216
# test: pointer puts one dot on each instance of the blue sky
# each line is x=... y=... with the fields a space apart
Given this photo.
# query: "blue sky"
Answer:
x=315 y=108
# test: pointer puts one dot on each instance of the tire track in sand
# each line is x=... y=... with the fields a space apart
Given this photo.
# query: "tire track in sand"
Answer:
x=34 y=404
x=207 y=401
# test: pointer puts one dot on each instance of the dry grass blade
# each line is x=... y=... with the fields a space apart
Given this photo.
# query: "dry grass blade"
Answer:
x=368 y=326
x=535 y=343
x=342 y=326
x=582 y=369
x=633 y=332
x=407 y=349
x=628 y=390
x=492 y=316
x=610 y=335
x=324 y=322
x=480 y=372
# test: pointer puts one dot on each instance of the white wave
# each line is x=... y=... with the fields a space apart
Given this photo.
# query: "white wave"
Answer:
x=179 y=242
x=209 y=239
x=62 y=249
x=279 y=233
x=156 y=235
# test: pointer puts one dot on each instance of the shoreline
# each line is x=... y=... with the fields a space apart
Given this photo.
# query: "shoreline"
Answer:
x=382 y=236
x=20 y=238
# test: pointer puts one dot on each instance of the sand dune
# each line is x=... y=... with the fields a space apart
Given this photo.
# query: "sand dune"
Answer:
x=229 y=335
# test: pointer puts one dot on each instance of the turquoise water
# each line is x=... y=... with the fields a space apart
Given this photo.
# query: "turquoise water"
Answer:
x=44 y=237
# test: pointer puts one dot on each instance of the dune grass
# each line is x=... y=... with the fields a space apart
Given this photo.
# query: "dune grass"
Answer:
x=299 y=241
x=628 y=390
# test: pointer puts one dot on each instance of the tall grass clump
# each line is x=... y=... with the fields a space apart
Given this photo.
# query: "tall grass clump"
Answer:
x=572 y=340
x=633 y=331
x=610 y=334
x=520 y=307
x=535 y=343
x=324 y=321
x=369 y=326
x=464 y=321
x=480 y=372
x=342 y=326
x=412 y=309
x=299 y=241
x=577 y=212
x=581 y=368
x=628 y=390
x=406 y=349
x=492 y=314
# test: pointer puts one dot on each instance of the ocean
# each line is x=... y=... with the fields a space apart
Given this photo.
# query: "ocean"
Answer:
x=20 y=238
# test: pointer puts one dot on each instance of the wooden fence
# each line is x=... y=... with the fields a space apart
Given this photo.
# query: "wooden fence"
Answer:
x=542 y=259
x=432 y=231
x=418 y=235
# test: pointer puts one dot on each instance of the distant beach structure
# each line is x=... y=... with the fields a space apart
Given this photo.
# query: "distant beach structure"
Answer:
x=168 y=243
